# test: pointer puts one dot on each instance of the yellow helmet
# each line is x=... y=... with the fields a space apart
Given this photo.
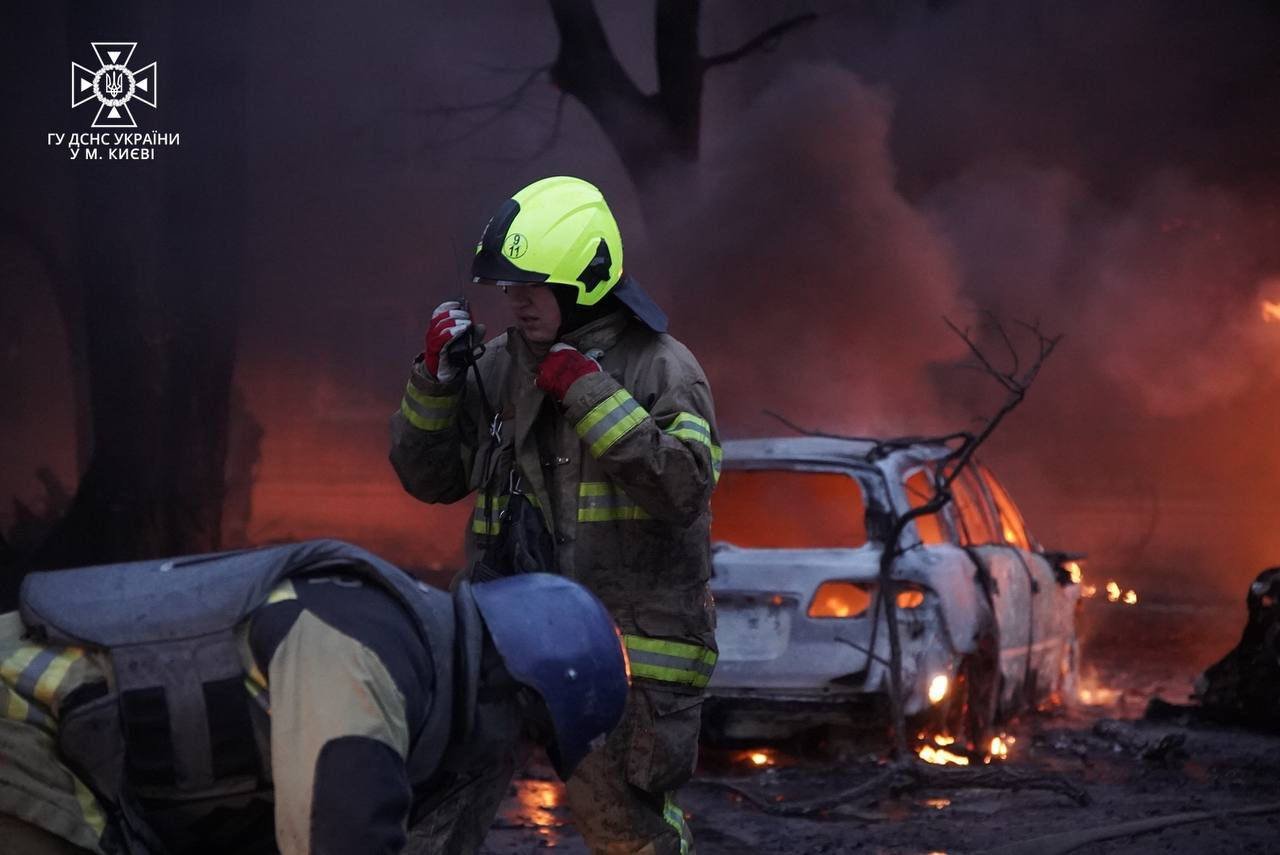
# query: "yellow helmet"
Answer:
x=560 y=231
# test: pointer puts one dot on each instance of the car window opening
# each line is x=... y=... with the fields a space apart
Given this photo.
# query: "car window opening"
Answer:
x=787 y=509
x=920 y=490
x=1013 y=530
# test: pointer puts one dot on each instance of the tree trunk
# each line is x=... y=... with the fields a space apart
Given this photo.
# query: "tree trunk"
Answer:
x=161 y=257
x=655 y=136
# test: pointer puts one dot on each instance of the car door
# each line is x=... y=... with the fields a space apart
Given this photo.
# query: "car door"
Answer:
x=1050 y=607
x=1011 y=595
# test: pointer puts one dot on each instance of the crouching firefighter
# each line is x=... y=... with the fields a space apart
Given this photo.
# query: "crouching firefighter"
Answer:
x=308 y=698
x=588 y=436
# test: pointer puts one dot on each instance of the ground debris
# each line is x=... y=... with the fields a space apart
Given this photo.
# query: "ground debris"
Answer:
x=1168 y=751
x=1062 y=843
x=899 y=778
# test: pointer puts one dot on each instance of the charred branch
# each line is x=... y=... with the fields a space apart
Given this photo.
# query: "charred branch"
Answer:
x=1060 y=844
x=766 y=40
x=946 y=471
x=909 y=776
x=651 y=132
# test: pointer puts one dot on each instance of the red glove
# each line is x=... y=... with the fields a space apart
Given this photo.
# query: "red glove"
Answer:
x=448 y=322
x=561 y=367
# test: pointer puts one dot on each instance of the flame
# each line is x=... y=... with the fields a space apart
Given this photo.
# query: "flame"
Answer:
x=1077 y=575
x=1270 y=312
x=938 y=688
x=757 y=757
x=538 y=801
x=1116 y=594
x=1088 y=590
x=941 y=756
x=1000 y=747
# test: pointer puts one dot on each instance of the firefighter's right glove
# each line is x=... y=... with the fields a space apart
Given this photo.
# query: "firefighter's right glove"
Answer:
x=449 y=325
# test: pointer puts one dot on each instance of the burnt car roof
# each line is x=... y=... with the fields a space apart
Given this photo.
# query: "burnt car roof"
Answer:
x=821 y=449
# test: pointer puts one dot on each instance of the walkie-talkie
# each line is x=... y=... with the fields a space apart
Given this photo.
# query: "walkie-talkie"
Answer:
x=469 y=348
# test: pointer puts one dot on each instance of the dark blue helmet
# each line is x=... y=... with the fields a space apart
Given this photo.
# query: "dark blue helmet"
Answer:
x=555 y=637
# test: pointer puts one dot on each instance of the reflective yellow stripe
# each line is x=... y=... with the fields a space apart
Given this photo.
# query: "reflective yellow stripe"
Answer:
x=670 y=661
x=282 y=592
x=484 y=521
x=427 y=412
x=434 y=402
x=422 y=422
x=690 y=427
x=14 y=707
x=89 y=807
x=602 y=501
x=17 y=662
x=49 y=682
x=609 y=421
x=628 y=512
x=674 y=816
x=670 y=648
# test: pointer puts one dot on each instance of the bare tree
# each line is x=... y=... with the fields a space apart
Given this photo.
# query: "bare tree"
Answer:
x=148 y=285
x=655 y=133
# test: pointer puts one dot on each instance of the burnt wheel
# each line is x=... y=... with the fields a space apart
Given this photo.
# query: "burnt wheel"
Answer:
x=971 y=710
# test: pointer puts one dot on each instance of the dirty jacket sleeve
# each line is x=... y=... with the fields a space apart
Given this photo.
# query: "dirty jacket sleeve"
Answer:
x=428 y=450
x=349 y=681
x=658 y=440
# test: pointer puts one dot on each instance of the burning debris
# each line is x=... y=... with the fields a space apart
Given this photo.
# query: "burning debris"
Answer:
x=941 y=750
x=1115 y=593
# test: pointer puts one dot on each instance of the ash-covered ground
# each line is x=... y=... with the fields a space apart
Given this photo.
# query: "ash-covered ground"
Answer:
x=1131 y=654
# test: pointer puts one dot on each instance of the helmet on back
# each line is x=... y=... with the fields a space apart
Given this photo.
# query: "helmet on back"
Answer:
x=559 y=231
x=556 y=638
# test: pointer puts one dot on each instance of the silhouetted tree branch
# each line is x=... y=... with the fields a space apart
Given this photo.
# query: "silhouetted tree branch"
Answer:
x=766 y=40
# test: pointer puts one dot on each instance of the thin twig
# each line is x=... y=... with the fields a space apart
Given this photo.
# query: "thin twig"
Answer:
x=809 y=432
x=764 y=40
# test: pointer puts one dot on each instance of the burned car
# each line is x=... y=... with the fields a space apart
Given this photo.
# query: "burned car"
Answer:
x=987 y=618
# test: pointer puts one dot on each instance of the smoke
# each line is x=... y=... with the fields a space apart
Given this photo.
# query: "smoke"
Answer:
x=1096 y=170
x=806 y=282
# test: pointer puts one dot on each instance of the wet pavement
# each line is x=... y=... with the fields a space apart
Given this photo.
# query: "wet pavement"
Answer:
x=1131 y=653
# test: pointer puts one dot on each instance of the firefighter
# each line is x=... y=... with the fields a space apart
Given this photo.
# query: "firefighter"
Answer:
x=309 y=697
x=588 y=437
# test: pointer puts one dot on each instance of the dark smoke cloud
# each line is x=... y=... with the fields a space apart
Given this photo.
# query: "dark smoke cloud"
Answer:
x=1102 y=170
x=805 y=280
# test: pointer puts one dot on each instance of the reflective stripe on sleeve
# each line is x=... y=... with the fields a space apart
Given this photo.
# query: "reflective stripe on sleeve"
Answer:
x=37 y=672
x=601 y=501
x=89 y=807
x=690 y=427
x=427 y=412
x=670 y=661
x=17 y=708
x=609 y=421
x=674 y=817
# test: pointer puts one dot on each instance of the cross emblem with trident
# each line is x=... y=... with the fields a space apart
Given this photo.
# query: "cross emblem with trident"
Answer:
x=113 y=84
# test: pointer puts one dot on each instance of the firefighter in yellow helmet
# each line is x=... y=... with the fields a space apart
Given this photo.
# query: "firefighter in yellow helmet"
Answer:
x=588 y=437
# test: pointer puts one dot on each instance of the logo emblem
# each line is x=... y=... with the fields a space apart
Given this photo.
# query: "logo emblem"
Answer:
x=516 y=246
x=113 y=84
